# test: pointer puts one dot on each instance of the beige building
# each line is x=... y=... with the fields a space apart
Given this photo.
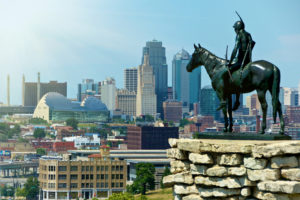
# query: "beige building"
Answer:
x=146 y=97
x=126 y=102
x=98 y=176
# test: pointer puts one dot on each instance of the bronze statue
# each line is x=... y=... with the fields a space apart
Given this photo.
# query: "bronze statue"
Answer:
x=260 y=75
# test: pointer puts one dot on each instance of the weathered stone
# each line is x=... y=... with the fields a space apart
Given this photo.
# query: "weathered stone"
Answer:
x=279 y=162
x=237 y=171
x=176 y=153
x=244 y=181
x=193 y=145
x=291 y=174
x=276 y=149
x=173 y=142
x=290 y=187
x=253 y=163
x=179 y=166
x=198 y=169
x=263 y=174
x=274 y=196
x=228 y=182
x=218 y=192
x=229 y=159
x=216 y=171
x=184 y=177
x=192 y=197
x=200 y=158
x=246 y=192
x=185 y=189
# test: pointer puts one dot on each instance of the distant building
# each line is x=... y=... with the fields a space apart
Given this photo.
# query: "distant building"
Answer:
x=146 y=97
x=126 y=102
x=130 y=79
x=87 y=88
x=172 y=110
x=97 y=176
x=32 y=92
x=149 y=137
x=209 y=103
x=170 y=93
x=55 y=107
x=84 y=141
x=293 y=114
x=108 y=93
x=63 y=147
x=186 y=85
x=61 y=133
x=157 y=59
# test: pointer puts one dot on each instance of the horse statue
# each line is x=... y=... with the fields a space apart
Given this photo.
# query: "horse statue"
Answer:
x=260 y=75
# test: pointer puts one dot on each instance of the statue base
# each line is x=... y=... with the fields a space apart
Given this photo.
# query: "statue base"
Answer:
x=242 y=136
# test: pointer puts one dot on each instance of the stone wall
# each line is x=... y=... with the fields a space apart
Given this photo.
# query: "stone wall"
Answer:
x=234 y=169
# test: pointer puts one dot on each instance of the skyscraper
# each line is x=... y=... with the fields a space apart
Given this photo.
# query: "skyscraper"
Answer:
x=130 y=79
x=157 y=59
x=209 y=102
x=186 y=85
x=108 y=93
x=126 y=102
x=87 y=88
x=33 y=91
x=146 y=97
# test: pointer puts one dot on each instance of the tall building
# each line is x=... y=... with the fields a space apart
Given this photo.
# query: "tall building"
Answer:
x=34 y=91
x=130 y=79
x=87 y=88
x=126 y=102
x=157 y=59
x=108 y=93
x=186 y=85
x=8 y=91
x=172 y=110
x=209 y=102
x=269 y=102
x=146 y=97
x=97 y=176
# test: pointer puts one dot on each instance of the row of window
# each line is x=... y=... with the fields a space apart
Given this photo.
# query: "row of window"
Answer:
x=86 y=185
x=84 y=176
x=84 y=168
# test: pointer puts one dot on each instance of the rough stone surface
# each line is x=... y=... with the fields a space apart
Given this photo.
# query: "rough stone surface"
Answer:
x=218 y=192
x=276 y=149
x=279 y=162
x=184 y=189
x=176 y=153
x=184 y=177
x=173 y=142
x=228 y=182
x=263 y=174
x=253 y=163
x=179 y=166
x=192 y=197
x=291 y=174
x=280 y=186
x=216 y=171
x=198 y=169
x=200 y=158
x=246 y=192
x=237 y=171
x=229 y=159
x=270 y=196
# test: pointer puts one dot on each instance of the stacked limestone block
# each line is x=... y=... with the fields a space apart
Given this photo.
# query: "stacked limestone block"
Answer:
x=235 y=170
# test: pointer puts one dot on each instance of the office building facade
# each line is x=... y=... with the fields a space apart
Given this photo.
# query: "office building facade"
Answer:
x=209 y=102
x=108 y=93
x=157 y=59
x=87 y=88
x=172 y=110
x=130 y=79
x=126 y=102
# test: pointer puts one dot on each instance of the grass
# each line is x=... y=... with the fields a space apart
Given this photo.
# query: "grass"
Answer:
x=161 y=194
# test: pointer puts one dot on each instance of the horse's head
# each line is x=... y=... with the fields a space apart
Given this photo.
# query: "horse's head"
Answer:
x=196 y=59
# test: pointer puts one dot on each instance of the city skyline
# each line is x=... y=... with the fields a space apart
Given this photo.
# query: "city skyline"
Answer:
x=87 y=38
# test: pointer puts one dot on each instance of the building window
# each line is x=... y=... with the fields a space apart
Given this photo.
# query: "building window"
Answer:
x=117 y=185
x=82 y=176
x=117 y=168
x=117 y=176
x=112 y=176
x=51 y=176
x=121 y=184
x=51 y=185
x=62 y=185
x=74 y=176
x=87 y=176
x=106 y=176
x=106 y=185
x=91 y=185
x=91 y=168
x=98 y=168
x=51 y=168
x=62 y=168
x=82 y=168
x=112 y=185
x=87 y=168
x=106 y=168
x=98 y=185
x=113 y=168
x=102 y=168
x=91 y=176
x=73 y=185
x=121 y=176
x=82 y=185
x=121 y=168
x=87 y=185
x=74 y=168
x=102 y=185
x=98 y=176
x=62 y=177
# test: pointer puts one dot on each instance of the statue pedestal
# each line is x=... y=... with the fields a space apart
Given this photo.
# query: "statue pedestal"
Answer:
x=242 y=136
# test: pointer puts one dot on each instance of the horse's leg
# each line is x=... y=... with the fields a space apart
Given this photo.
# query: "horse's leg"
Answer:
x=262 y=99
x=230 y=113
x=237 y=102
x=281 y=132
x=223 y=106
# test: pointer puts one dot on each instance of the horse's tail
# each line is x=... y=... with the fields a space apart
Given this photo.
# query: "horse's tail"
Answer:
x=275 y=92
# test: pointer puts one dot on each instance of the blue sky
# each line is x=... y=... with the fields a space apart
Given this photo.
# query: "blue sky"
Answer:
x=68 y=40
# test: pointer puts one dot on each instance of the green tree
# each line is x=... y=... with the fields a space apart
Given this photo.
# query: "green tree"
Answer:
x=72 y=122
x=37 y=121
x=7 y=191
x=166 y=173
x=121 y=196
x=144 y=178
x=30 y=189
x=196 y=135
x=41 y=151
x=39 y=133
x=184 y=122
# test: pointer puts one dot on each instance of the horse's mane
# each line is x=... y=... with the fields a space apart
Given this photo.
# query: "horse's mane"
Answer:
x=221 y=60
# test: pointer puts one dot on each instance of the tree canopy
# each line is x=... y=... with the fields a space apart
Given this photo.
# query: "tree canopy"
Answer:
x=72 y=122
x=30 y=189
x=39 y=133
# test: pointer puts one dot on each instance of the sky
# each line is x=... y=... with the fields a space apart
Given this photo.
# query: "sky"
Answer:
x=70 y=40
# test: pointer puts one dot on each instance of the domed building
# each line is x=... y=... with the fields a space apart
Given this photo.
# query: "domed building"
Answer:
x=55 y=107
